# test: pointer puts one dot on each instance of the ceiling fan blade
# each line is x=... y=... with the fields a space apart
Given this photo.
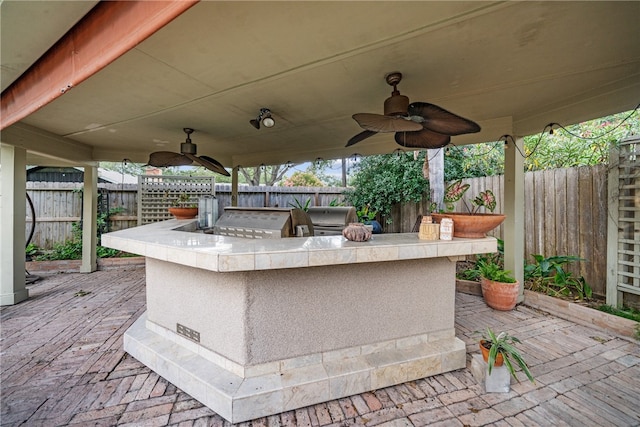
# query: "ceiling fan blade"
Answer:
x=423 y=139
x=220 y=168
x=382 y=123
x=359 y=137
x=209 y=163
x=440 y=120
x=161 y=159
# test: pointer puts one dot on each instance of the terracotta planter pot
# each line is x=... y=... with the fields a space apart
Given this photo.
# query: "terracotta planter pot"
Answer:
x=184 y=213
x=485 y=355
x=471 y=226
x=498 y=295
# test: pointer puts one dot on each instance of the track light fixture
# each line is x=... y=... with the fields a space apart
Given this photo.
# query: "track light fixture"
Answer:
x=264 y=117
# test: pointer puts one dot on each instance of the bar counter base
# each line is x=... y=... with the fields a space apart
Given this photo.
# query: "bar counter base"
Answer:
x=239 y=399
x=256 y=327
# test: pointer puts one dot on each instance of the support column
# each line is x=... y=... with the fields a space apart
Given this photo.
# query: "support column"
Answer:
x=234 y=186
x=435 y=159
x=13 y=190
x=89 y=219
x=514 y=210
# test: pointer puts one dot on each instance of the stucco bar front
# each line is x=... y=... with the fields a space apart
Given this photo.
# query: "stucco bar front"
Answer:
x=257 y=327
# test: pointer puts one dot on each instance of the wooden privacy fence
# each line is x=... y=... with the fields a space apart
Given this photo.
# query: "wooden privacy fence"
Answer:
x=565 y=211
x=58 y=205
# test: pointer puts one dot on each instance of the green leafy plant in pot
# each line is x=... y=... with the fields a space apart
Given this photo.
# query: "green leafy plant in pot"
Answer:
x=499 y=288
x=367 y=216
x=499 y=349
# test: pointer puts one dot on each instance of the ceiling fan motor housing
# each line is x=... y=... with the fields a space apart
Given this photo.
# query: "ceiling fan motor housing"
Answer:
x=396 y=105
x=188 y=148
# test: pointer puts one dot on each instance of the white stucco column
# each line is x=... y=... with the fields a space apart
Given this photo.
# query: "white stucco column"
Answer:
x=514 y=210
x=436 y=176
x=89 y=218
x=13 y=190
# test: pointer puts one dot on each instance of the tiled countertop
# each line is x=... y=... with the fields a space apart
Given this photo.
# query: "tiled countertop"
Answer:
x=173 y=242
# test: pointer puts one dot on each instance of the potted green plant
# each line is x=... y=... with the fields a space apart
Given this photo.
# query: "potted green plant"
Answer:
x=183 y=207
x=368 y=217
x=499 y=349
x=472 y=224
x=499 y=288
x=297 y=203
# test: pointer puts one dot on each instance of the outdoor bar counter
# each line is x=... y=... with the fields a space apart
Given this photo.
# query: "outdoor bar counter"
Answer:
x=254 y=327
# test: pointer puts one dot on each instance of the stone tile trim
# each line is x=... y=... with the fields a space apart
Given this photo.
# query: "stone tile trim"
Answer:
x=297 y=362
x=171 y=241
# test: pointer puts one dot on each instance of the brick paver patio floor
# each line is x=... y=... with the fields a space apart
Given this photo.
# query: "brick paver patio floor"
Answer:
x=63 y=364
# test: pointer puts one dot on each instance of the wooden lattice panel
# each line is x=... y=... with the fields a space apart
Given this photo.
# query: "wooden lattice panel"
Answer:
x=624 y=181
x=156 y=194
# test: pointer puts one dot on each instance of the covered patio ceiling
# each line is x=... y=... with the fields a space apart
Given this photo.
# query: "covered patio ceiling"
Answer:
x=513 y=67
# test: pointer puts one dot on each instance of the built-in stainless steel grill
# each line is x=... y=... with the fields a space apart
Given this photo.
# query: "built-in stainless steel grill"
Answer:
x=263 y=223
x=330 y=220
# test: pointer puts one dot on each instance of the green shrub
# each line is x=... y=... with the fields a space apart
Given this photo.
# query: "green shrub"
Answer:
x=383 y=181
x=547 y=275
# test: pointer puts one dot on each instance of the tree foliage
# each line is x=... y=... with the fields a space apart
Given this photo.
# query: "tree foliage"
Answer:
x=384 y=180
x=320 y=168
x=583 y=144
x=268 y=175
x=302 y=179
x=469 y=161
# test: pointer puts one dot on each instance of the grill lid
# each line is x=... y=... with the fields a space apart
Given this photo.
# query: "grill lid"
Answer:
x=332 y=216
x=263 y=223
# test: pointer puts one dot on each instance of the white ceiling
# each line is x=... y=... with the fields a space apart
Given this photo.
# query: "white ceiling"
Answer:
x=513 y=67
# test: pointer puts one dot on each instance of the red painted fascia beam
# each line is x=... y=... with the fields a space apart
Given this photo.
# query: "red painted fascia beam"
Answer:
x=109 y=30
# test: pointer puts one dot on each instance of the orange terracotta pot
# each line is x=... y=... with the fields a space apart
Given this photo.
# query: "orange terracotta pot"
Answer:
x=471 y=226
x=498 y=295
x=184 y=213
x=485 y=354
